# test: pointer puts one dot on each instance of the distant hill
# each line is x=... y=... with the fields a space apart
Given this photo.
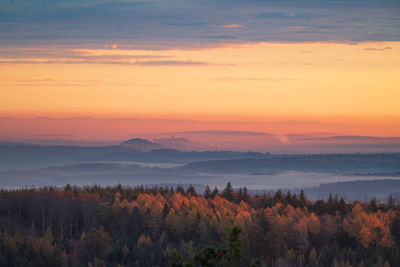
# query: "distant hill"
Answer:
x=180 y=143
x=354 y=139
x=222 y=132
x=141 y=145
x=174 y=155
x=349 y=164
x=357 y=190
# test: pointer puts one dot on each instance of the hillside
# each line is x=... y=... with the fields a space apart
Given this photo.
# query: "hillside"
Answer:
x=140 y=145
x=165 y=226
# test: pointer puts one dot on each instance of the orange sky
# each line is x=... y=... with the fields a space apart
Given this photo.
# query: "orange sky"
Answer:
x=330 y=82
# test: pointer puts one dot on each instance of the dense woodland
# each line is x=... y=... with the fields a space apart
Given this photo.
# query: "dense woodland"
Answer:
x=121 y=226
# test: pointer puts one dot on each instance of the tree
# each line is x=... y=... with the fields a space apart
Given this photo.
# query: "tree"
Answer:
x=207 y=192
x=180 y=189
x=390 y=202
x=245 y=194
x=99 y=243
x=191 y=191
x=395 y=228
x=217 y=254
x=278 y=197
x=48 y=235
x=214 y=192
x=228 y=192
x=303 y=200
x=239 y=195
x=373 y=207
x=68 y=188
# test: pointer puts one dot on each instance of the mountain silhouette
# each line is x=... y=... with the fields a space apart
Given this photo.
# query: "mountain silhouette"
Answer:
x=140 y=145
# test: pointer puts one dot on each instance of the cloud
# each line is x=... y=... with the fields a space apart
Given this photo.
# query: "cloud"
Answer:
x=283 y=15
x=65 y=56
x=54 y=82
x=219 y=36
x=177 y=23
x=377 y=49
x=271 y=15
x=265 y=79
x=170 y=63
x=61 y=61
x=110 y=62
x=51 y=135
x=231 y=26
x=72 y=54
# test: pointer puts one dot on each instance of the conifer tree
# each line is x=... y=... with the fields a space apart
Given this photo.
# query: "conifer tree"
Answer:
x=207 y=192
x=228 y=192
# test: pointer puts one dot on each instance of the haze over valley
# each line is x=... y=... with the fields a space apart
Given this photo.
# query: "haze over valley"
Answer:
x=173 y=161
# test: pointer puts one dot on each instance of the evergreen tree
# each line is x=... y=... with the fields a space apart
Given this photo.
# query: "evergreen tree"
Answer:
x=207 y=192
x=239 y=195
x=373 y=207
x=303 y=200
x=214 y=192
x=278 y=197
x=191 y=191
x=228 y=192
x=395 y=228
x=68 y=188
x=180 y=189
x=245 y=194
x=390 y=203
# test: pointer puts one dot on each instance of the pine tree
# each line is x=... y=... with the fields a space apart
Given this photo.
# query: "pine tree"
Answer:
x=228 y=192
x=191 y=191
x=372 y=205
x=395 y=228
x=390 y=202
x=245 y=194
x=214 y=192
x=180 y=189
x=207 y=192
x=303 y=200
x=278 y=197
x=68 y=188
x=239 y=195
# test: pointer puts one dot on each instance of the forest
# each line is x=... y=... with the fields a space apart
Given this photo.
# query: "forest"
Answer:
x=166 y=226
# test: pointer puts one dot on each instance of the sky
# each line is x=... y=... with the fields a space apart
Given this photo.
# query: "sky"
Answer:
x=331 y=61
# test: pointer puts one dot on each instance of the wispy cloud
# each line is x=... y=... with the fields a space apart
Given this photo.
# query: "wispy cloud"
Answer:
x=73 y=54
x=67 y=56
x=110 y=62
x=170 y=63
x=377 y=49
x=284 y=15
x=259 y=79
x=219 y=36
x=231 y=26
x=17 y=81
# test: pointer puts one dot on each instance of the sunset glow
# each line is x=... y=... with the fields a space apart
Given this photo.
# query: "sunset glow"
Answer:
x=234 y=67
x=259 y=82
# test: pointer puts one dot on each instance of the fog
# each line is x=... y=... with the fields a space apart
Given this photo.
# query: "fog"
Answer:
x=134 y=173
